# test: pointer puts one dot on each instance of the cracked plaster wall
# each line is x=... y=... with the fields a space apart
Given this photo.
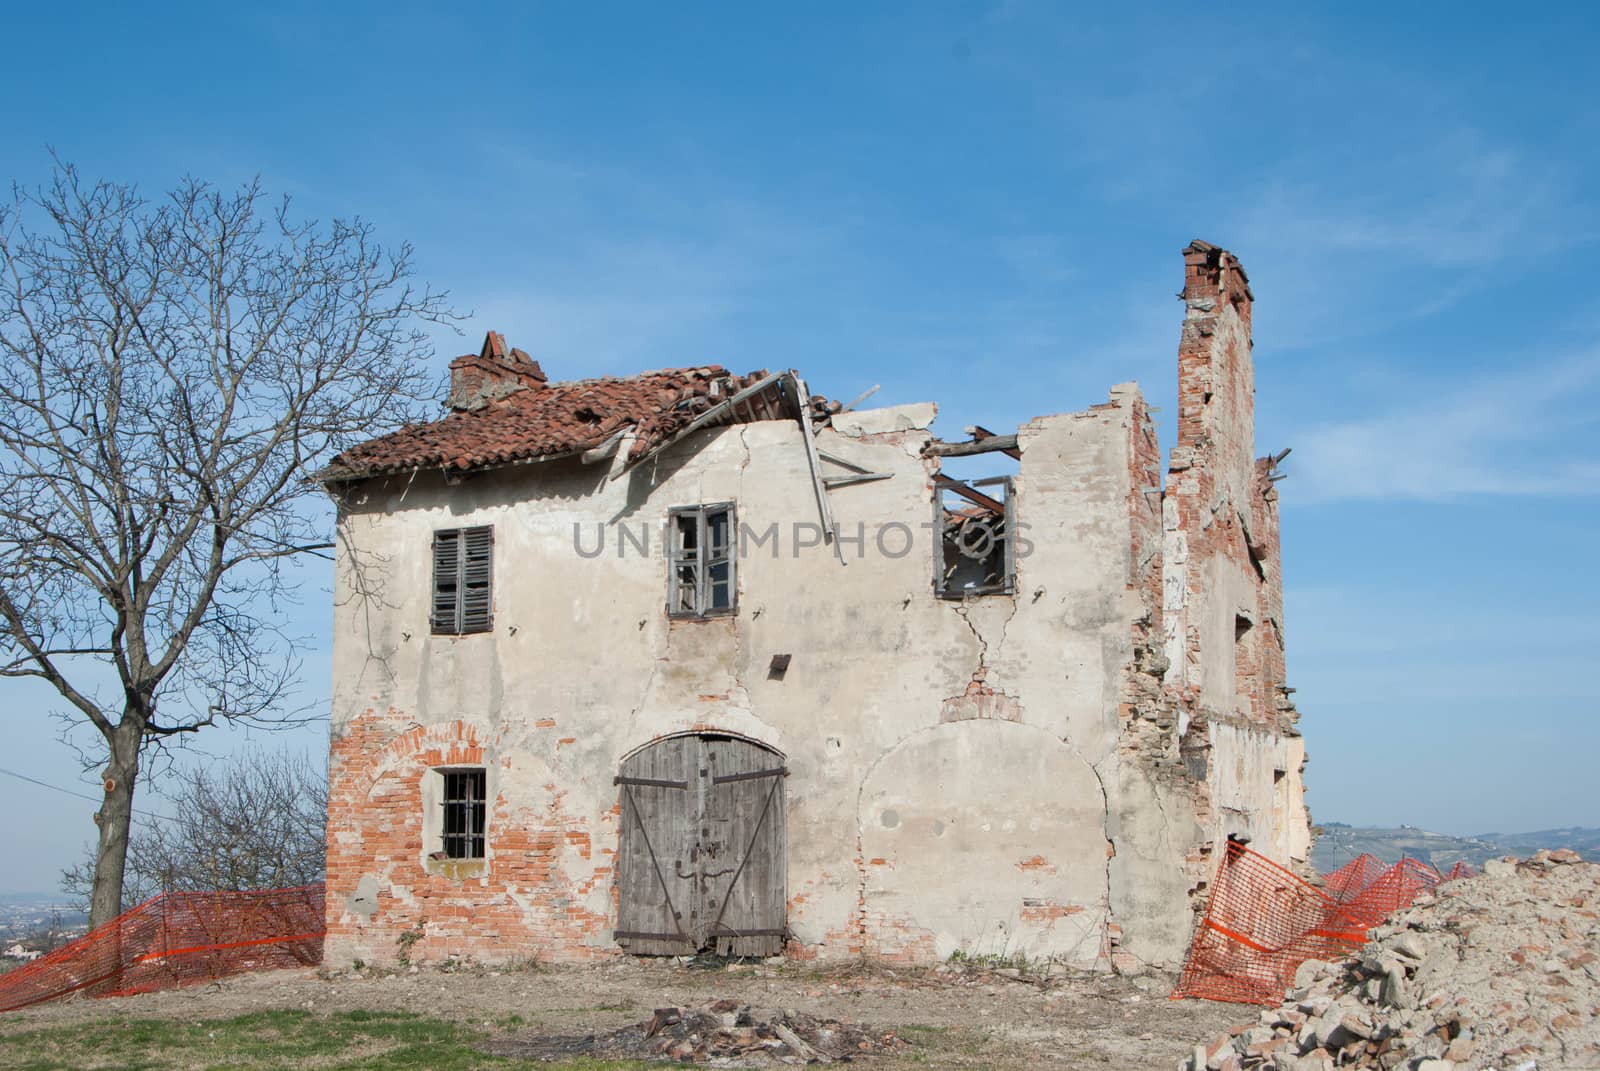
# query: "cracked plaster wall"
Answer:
x=1045 y=773
x=1003 y=712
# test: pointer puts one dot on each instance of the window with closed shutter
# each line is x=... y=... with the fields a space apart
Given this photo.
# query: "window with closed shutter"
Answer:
x=463 y=580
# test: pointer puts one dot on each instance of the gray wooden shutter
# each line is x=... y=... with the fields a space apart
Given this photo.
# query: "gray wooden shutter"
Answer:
x=446 y=616
x=721 y=555
x=477 y=575
x=683 y=569
x=1011 y=537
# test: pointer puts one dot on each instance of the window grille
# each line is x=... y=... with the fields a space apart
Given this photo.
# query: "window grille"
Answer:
x=464 y=810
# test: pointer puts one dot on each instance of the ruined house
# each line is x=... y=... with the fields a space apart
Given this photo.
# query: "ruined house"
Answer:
x=692 y=661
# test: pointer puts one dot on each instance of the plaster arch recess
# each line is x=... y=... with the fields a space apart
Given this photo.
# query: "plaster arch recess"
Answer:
x=991 y=836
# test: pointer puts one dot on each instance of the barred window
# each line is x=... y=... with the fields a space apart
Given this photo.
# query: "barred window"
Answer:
x=463 y=572
x=464 y=811
x=700 y=578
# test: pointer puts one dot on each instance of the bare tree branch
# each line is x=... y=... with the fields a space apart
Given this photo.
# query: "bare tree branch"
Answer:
x=253 y=823
x=172 y=370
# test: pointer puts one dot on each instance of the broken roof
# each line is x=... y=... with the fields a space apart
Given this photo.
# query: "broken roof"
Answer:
x=517 y=416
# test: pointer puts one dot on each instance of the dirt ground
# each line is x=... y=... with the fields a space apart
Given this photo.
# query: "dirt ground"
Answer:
x=954 y=1018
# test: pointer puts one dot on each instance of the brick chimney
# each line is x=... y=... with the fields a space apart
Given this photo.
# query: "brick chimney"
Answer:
x=476 y=379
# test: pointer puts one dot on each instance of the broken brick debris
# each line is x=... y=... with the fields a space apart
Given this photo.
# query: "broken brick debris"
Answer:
x=726 y=1032
x=1496 y=971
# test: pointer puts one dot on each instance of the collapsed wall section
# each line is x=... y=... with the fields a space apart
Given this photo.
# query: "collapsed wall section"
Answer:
x=1045 y=767
x=1222 y=584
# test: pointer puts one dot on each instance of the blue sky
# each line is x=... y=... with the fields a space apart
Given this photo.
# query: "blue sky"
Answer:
x=983 y=204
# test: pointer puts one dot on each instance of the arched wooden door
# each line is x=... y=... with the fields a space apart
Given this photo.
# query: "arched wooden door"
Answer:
x=701 y=860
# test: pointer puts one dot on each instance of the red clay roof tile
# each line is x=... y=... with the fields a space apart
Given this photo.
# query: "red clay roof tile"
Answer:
x=551 y=421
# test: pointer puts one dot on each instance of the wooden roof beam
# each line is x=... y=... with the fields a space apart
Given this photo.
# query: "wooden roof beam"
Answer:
x=977 y=498
x=1005 y=444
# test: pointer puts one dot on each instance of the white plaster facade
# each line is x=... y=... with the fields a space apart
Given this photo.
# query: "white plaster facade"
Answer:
x=998 y=775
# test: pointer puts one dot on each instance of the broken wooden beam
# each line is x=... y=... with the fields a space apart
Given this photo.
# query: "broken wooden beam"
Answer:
x=841 y=462
x=855 y=477
x=716 y=414
x=945 y=483
x=863 y=396
x=803 y=399
x=1006 y=444
x=980 y=433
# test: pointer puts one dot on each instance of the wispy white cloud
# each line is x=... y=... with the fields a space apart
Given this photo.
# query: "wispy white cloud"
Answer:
x=1402 y=233
x=1520 y=433
x=1458 y=200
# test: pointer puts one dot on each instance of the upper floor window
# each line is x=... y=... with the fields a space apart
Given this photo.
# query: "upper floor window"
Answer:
x=975 y=552
x=700 y=577
x=463 y=574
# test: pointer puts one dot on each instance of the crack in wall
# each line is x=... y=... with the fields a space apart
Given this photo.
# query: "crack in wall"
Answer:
x=983 y=644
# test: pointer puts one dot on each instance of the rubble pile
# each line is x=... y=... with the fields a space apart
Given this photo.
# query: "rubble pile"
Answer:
x=723 y=1033
x=1498 y=971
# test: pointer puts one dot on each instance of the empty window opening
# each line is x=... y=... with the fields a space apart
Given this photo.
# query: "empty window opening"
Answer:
x=974 y=550
x=464 y=812
x=700 y=578
x=463 y=575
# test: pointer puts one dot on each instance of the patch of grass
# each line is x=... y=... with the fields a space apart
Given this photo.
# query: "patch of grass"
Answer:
x=346 y=1041
x=943 y=1041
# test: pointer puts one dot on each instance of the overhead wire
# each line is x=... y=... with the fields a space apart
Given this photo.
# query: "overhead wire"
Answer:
x=79 y=795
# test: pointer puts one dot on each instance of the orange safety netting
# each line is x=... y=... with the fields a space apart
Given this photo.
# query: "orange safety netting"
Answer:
x=1346 y=883
x=176 y=939
x=1261 y=921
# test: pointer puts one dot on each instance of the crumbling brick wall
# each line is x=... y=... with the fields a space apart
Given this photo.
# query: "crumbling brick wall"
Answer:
x=522 y=900
x=1223 y=582
x=1080 y=743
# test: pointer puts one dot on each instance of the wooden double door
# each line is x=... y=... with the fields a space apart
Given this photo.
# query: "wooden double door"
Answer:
x=700 y=866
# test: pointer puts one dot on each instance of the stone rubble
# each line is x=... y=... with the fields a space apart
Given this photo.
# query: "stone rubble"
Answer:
x=722 y=1033
x=1498 y=971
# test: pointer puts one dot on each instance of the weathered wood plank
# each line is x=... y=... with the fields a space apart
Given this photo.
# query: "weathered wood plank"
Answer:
x=745 y=881
x=956 y=487
x=653 y=895
x=993 y=444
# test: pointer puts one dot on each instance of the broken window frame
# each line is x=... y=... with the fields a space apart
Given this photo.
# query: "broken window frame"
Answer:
x=463 y=581
x=690 y=598
x=1007 y=584
x=464 y=813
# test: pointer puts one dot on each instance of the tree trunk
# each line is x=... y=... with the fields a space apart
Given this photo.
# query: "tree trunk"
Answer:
x=116 y=815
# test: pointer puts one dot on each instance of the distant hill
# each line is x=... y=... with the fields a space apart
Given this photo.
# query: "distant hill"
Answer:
x=1338 y=843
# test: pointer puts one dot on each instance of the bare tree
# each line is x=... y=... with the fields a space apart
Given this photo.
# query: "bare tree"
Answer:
x=254 y=823
x=169 y=372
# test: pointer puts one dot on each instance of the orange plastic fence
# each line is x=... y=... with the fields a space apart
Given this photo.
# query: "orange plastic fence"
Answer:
x=1346 y=883
x=1262 y=921
x=177 y=939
